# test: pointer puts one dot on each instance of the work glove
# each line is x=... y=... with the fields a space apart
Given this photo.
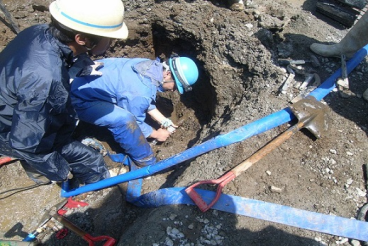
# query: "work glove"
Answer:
x=165 y=123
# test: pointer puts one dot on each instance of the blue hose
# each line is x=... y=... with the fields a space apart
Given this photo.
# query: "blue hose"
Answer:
x=259 y=126
x=234 y=136
x=303 y=219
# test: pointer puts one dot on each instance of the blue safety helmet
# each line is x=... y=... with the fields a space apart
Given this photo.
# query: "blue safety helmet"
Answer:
x=185 y=72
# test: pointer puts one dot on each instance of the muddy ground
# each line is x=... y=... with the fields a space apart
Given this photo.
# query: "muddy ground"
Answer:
x=238 y=55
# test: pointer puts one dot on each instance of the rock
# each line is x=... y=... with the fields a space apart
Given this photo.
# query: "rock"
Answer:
x=236 y=5
x=365 y=95
x=275 y=189
x=173 y=216
x=355 y=243
x=360 y=192
x=249 y=26
x=349 y=181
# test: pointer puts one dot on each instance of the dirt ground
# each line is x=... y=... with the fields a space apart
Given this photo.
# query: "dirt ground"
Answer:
x=238 y=54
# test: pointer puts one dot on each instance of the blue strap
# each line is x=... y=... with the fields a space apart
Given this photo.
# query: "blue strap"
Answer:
x=303 y=219
x=134 y=186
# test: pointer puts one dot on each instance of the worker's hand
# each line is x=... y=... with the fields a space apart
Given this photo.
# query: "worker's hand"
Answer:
x=166 y=123
x=161 y=135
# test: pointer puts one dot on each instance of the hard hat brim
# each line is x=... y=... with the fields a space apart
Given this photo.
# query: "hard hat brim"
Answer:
x=179 y=86
x=118 y=32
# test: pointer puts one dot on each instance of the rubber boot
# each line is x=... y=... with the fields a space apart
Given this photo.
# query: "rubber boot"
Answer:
x=353 y=41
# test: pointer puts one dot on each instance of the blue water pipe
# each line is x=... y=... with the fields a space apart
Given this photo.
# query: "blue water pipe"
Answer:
x=259 y=126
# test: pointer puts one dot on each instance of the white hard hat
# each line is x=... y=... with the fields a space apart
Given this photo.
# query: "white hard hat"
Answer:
x=96 y=17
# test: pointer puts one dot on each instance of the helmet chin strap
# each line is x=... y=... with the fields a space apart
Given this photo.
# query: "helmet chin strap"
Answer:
x=93 y=42
x=161 y=87
x=167 y=68
x=165 y=80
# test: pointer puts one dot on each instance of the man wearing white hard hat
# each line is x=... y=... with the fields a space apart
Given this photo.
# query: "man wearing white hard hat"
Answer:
x=36 y=114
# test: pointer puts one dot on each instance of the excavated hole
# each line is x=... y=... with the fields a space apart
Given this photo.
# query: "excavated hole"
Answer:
x=190 y=110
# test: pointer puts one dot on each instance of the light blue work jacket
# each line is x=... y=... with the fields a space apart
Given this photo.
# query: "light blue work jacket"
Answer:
x=130 y=83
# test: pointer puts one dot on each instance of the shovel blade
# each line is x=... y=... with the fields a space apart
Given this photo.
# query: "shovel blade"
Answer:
x=313 y=115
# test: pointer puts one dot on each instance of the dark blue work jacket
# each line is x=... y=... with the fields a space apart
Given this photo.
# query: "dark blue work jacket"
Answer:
x=36 y=115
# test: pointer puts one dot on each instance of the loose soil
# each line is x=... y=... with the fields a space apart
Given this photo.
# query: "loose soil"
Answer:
x=238 y=55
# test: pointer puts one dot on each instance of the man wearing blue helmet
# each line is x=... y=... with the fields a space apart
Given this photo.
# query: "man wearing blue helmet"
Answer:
x=125 y=93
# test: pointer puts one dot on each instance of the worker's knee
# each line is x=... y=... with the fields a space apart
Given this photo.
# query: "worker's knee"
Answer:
x=123 y=119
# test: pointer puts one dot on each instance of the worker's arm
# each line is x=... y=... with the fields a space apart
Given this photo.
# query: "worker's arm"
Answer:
x=40 y=114
x=160 y=118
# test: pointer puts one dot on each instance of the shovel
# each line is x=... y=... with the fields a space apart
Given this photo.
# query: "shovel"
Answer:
x=310 y=114
x=109 y=241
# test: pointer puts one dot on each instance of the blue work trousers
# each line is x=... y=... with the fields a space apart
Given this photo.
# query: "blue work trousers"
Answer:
x=122 y=124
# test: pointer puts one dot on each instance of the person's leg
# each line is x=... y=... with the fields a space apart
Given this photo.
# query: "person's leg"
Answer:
x=34 y=174
x=353 y=41
x=122 y=124
x=87 y=165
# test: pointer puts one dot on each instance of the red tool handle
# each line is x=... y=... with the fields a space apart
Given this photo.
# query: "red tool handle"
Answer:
x=5 y=159
x=91 y=240
x=197 y=199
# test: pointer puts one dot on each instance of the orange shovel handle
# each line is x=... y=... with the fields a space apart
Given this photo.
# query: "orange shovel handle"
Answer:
x=197 y=199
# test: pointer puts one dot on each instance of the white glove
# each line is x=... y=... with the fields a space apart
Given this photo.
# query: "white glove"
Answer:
x=165 y=123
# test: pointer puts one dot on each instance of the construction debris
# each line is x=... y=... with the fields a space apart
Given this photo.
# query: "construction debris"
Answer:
x=345 y=12
x=9 y=17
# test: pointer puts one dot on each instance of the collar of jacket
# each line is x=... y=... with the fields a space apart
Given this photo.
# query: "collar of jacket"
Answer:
x=151 y=69
x=66 y=52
